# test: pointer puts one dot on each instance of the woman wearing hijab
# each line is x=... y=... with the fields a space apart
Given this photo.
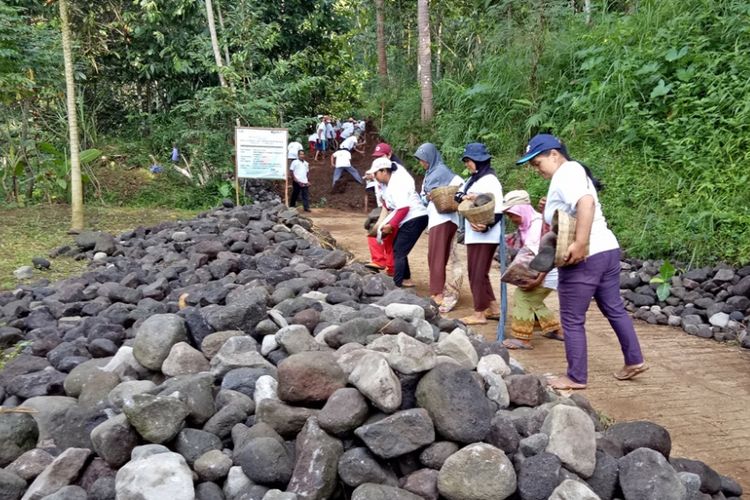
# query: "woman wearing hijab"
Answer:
x=481 y=240
x=442 y=229
x=574 y=190
x=528 y=301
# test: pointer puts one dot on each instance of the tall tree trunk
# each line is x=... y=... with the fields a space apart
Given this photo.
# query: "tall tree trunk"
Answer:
x=224 y=34
x=76 y=186
x=215 y=41
x=587 y=10
x=380 y=28
x=424 y=65
x=439 y=55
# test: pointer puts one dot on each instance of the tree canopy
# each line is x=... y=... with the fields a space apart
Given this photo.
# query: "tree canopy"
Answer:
x=653 y=94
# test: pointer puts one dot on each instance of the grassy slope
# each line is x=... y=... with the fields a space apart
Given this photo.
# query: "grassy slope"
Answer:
x=34 y=231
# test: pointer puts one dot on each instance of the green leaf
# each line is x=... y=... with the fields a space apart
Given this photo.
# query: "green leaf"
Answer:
x=663 y=291
x=674 y=54
x=661 y=89
x=89 y=155
x=62 y=183
x=46 y=147
x=656 y=279
x=666 y=271
x=648 y=69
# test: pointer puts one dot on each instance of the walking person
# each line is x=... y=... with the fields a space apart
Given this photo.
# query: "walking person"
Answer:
x=300 y=183
x=573 y=190
x=321 y=145
x=406 y=213
x=481 y=240
x=442 y=228
x=291 y=151
x=528 y=301
x=341 y=161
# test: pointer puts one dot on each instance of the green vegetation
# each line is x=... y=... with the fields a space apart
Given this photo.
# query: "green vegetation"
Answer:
x=654 y=95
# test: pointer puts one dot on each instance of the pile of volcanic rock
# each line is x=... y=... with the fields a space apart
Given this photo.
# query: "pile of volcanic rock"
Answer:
x=709 y=302
x=236 y=357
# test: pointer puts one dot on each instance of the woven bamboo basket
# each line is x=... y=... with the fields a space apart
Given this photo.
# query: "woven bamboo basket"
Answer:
x=484 y=214
x=443 y=198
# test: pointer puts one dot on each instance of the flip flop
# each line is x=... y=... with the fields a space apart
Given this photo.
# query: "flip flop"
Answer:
x=517 y=344
x=554 y=336
x=373 y=266
x=471 y=320
x=407 y=285
x=493 y=316
x=629 y=372
x=563 y=383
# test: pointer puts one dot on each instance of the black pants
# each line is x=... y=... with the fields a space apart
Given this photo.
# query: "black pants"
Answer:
x=298 y=190
x=406 y=237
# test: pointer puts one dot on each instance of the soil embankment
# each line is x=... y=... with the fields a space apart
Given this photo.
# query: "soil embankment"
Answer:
x=698 y=389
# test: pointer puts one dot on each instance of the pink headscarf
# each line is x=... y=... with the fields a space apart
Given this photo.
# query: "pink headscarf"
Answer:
x=528 y=215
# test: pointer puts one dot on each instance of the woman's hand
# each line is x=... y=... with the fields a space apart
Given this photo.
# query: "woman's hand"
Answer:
x=470 y=196
x=387 y=229
x=576 y=253
x=480 y=228
x=533 y=284
x=542 y=203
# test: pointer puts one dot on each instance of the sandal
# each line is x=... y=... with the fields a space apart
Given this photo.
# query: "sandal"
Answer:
x=449 y=302
x=407 y=284
x=517 y=344
x=631 y=371
x=492 y=316
x=374 y=267
x=471 y=320
x=554 y=335
x=563 y=383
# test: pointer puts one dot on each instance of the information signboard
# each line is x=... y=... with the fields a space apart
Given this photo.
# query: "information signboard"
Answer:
x=261 y=153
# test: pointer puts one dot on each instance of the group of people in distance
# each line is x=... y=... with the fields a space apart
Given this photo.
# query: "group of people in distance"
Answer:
x=590 y=265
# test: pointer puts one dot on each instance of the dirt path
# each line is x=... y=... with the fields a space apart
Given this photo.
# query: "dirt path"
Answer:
x=698 y=389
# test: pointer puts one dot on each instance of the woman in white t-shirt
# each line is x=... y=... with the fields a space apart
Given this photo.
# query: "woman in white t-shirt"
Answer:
x=441 y=229
x=481 y=240
x=573 y=190
x=406 y=214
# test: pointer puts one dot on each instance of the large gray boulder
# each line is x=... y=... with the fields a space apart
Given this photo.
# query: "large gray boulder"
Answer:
x=265 y=460
x=155 y=477
x=573 y=490
x=538 y=476
x=285 y=419
x=315 y=472
x=376 y=381
x=630 y=436
x=114 y=440
x=155 y=338
x=371 y=491
x=344 y=411
x=156 y=418
x=646 y=475
x=477 y=472
x=456 y=403
x=238 y=352
x=358 y=466
x=60 y=473
x=571 y=438
x=398 y=434
x=18 y=434
x=11 y=486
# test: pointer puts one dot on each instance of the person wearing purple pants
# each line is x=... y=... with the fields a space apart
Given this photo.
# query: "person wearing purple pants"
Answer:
x=574 y=190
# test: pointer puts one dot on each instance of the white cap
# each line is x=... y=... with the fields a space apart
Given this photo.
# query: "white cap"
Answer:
x=381 y=163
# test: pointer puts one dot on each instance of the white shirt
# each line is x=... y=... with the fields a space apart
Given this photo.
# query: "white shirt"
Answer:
x=347 y=129
x=349 y=143
x=401 y=192
x=312 y=138
x=299 y=169
x=330 y=134
x=321 y=131
x=568 y=185
x=292 y=150
x=487 y=184
x=436 y=218
x=343 y=158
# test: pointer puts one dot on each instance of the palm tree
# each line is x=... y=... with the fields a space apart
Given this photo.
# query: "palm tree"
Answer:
x=424 y=65
x=76 y=185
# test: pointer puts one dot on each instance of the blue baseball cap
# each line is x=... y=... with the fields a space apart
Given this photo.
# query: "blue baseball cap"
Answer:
x=539 y=144
x=476 y=151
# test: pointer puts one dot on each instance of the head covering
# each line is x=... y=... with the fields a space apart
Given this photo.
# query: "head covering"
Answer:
x=437 y=174
x=382 y=149
x=527 y=214
x=513 y=198
x=476 y=151
x=539 y=144
x=380 y=164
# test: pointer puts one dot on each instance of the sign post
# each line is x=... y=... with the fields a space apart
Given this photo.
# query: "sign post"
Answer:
x=261 y=154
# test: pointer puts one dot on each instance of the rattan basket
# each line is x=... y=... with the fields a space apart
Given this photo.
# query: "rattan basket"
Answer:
x=484 y=214
x=443 y=198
